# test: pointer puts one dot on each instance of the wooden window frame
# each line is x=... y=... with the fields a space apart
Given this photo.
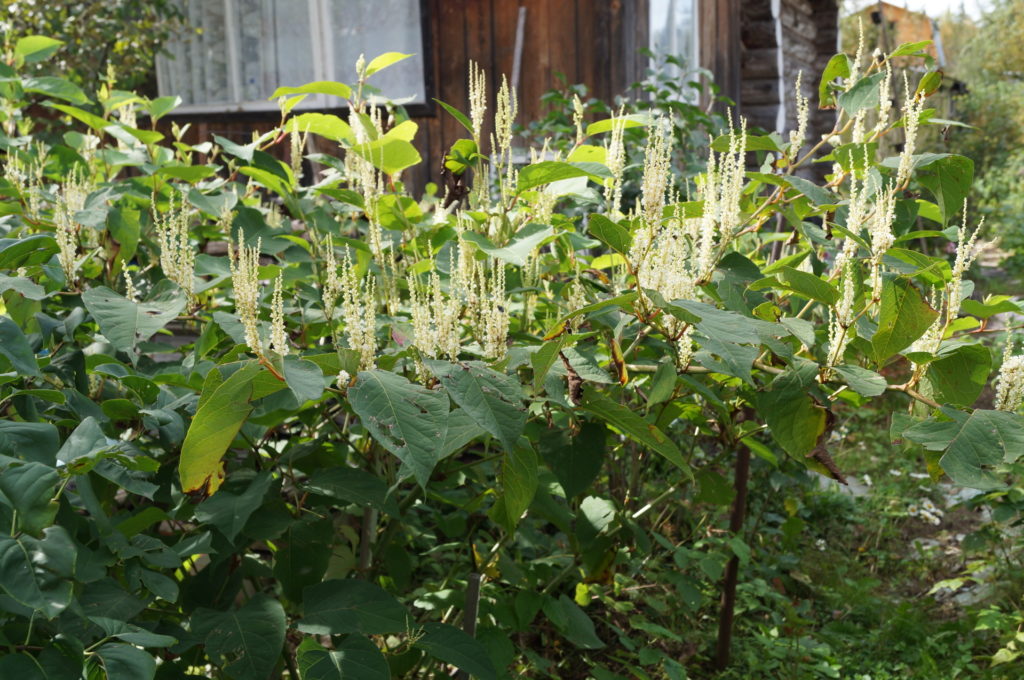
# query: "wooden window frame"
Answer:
x=323 y=69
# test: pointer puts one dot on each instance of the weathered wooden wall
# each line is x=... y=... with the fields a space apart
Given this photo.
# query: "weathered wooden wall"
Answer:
x=810 y=30
x=597 y=43
x=759 y=70
x=807 y=32
x=594 y=42
x=719 y=43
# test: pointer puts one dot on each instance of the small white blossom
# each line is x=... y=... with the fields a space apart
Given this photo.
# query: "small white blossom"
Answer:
x=1010 y=383
x=245 y=263
x=177 y=256
x=278 y=334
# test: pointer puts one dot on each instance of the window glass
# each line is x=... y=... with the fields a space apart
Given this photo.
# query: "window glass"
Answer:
x=239 y=51
x=274 y=45
x=673 y=33
x=369 y=28
x=199 y=68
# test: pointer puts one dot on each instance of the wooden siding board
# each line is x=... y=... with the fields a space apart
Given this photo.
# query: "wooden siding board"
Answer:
x=719 y=43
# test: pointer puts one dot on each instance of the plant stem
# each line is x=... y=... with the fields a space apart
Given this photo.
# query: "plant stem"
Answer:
x=739 y=509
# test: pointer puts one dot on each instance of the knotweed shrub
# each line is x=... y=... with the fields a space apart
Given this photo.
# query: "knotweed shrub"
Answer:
x=255 y=427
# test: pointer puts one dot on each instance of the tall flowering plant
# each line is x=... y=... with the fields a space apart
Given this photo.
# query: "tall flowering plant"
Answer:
x=242 y=404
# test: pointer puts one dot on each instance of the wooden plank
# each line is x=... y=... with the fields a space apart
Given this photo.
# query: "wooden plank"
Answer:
x=760 y=63
x=452 y=69
x=432 y=150
x=720 y=42
x=617 y=81
x=587 y=48
x=562 y=43
x=759 y=34
x=536 y=75
x=479 y=31
x=759 y=92
x=602 y=21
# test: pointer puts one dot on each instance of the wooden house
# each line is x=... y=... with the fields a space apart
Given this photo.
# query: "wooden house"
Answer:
x=245 y=48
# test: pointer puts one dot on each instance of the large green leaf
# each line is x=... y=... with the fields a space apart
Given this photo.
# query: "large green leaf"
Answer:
x=303 y=552
x=518 y=486
x=382 y=61
x=14 y=345
x=22 y=666
x=35 y=48
x=324 y=124
x=795 y=420
x=863 y=94
x=861 y=380
x=613 y=235
x=132 y=634
x=37 y=442
x=493 y=400
x=124 y=322
x=229 y=511
x=575 y=458
x=305 y=380
x=223 y=407
x=903 y=318
x=451 y=645
x=247 y=641
x=52 y=86
x=407 y=419
x=517 y=250
x=633 y=426
x=720 y=324
x=622 y=122
x=838 y=67
x=572 y=622
x=354 y=658
x=22 y=285
x=733 y=359
x=352 y=485
x=949 y=180
x=808 y=285
x=392 y=152
x=975 y=444
x=26 y=251
x=27 y=488
x=126 y=662
x=959 y=376
x=334 y=89
x=461 y=431
x=546 y=172
x=341 y=606
x=37 y=572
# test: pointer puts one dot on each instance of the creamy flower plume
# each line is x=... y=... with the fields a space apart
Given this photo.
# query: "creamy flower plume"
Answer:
x=882 y=237
x=657 y=171
x=278 y=334
x=615 y=159
x=177 y=256
x=245 y=264
x=721 y=188
x=435 y=318
x=1010 y=383
x=359 y=305
x=912 y=109
x=840 y=328
x=796 y=137
x=966 y=252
